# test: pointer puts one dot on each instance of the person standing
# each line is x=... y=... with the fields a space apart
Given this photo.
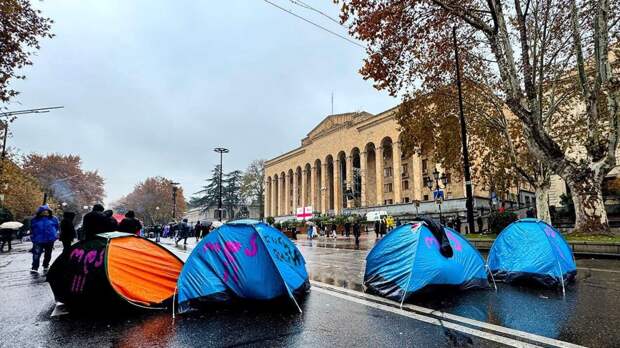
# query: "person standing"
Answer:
x=67 y=230
x=377 y=228
x=383 y=228
x=130 y=224
x=294 y=231
x=111 y=224
x=480 y=223
x=165 y=231
x=356 y=234
x=183 y=230
x=44 y=232
x=333 y=228
x=157 y=229
x=198 y=231
x=457 y=224
x=347 y=229
x=6 y=235
x=94 y=222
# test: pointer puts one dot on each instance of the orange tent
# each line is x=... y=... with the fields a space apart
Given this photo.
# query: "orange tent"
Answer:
x=115 y=266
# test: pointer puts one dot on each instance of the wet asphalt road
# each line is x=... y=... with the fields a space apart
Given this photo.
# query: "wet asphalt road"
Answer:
x=588 y=315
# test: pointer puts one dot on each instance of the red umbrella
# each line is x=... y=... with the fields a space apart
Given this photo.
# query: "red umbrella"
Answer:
x=118 y=217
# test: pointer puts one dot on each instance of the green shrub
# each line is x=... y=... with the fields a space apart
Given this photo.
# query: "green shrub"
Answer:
x=270 y=220
x=499 y=221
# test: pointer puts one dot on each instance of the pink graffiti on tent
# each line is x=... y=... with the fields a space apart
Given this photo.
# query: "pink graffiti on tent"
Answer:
x=93 y=258
x=228 y=249
x=457 y=243
x=429 y=241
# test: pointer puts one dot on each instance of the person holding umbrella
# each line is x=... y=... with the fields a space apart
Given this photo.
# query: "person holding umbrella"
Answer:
x=6 y=233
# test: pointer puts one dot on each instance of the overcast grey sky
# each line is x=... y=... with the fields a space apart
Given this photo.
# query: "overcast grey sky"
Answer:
x=151 y=87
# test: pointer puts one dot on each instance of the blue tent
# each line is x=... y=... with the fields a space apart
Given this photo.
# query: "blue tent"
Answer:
x=408 y=260
x=530 y=249
x=244 y=259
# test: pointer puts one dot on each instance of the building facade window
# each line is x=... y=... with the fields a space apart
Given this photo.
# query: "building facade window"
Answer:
x=424 y=166
x=387 y=188
x=405 y=184
x=426 y=197
x=405 y=170
x=388 y=202
x=406 y=200
x=387 y=172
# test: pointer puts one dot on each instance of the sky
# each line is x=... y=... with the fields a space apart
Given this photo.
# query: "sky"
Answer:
x=149 y=88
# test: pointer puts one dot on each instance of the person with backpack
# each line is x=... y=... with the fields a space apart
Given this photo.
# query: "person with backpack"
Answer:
x=44 y=232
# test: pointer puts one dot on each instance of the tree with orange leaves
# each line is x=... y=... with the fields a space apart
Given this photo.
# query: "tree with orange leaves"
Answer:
x=152 y=202
x=549 y=61
x=63 y=178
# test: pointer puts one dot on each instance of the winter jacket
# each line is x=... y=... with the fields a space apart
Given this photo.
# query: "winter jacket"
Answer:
x=44 y=229
x=94 y=223
x=184 y=229
x=67 y=230
x=130 y=225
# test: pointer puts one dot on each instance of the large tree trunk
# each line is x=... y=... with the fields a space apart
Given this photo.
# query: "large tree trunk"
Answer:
x=590 y=214
x=542 y=203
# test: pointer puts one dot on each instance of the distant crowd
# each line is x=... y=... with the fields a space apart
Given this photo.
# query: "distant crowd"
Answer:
x=45 y=229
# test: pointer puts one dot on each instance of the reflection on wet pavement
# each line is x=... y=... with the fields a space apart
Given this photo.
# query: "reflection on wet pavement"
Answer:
x=588 y=314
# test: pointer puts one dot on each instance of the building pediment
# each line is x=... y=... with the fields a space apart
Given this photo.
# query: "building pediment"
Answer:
x=335 y=121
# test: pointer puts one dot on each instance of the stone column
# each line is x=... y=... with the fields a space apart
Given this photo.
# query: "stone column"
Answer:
x=287 y=194
x=274 y=197
x=337 y=187
x=350 y=183
x=324 y=189
x=304 y=189
x=282 y=193
x=313 y=188
x=396 y=172
x=416 y=177
x=295 y=193
x=379 y=175
x=364 y=174
x=267 y=197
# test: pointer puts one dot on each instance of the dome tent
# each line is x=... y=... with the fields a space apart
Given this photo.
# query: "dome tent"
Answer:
x=530 y=249
x=112 y=270
x=410 y=259
x=243 y=259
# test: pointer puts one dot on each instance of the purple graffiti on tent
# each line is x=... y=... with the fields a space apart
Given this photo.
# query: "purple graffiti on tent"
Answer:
x=252 y=252
x=549 y=232
x=228 y=249
x=429 y=241
x=457 y=243
x=93 y=258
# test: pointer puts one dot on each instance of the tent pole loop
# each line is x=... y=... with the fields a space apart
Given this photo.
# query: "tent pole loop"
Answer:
x=562 y=280
x=492 y=277
x=173 y=301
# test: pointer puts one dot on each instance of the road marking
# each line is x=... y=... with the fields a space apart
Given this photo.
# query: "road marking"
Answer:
x=598 y=269
x=447 y=316
x=430 y=320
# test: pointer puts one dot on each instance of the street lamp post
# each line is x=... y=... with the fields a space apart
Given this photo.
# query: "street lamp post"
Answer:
x=221 y=151
x=469 y=194
x=174 y=199
x=429 y=184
